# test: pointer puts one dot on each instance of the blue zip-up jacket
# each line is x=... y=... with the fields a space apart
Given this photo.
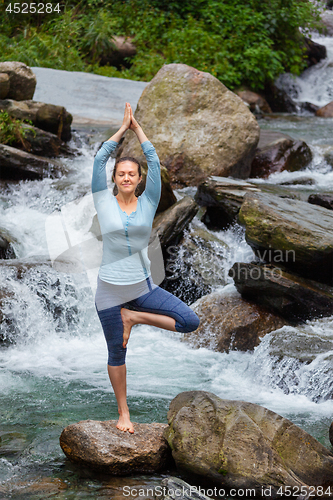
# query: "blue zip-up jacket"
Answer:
x=125 y=237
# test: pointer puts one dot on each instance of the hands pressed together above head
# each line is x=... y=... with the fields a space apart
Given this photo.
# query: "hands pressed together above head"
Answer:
x=129 y=122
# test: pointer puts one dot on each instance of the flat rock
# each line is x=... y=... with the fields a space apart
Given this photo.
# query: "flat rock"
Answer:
x=290 y=232
x=223 y=197
x=101 y=446
x=16 y=165
x=198 y=127
x=243 y=445
x=231 y=323
x=54 y=119
x=294 y=298
x=277 y=152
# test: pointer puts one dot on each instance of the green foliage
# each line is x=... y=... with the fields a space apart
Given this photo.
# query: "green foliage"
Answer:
x=12 y=131
x=249 y=42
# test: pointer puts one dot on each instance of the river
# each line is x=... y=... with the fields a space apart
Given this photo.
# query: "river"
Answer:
x=53 y=363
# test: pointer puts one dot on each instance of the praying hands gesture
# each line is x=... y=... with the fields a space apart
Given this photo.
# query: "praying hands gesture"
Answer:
x=129 y=122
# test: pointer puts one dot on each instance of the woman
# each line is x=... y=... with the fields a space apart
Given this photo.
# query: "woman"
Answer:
x=124 y=275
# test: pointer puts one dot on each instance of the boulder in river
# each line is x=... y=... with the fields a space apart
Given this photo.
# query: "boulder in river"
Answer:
x=54 y=119
x=277 y=152
x=279 y=100
x=293 y=297
x=243 y=445
x=256 y=102
x=315 y=52
x=100 y=446
x=223 y=198
x=290 y=232
x=22 y=81
x=198 y=126
x=39 y=142
x=323 y=200
x=326 y=111
x=16 y=165
x=170 y=224
x=230 y=323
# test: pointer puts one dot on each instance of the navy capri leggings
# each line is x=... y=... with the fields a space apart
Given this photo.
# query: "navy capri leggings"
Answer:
x=144 y=296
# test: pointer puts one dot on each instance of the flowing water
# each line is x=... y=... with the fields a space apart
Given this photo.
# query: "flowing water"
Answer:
x=53 y=357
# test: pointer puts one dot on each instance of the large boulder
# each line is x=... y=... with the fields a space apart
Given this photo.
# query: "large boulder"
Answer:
x=22 y=81
x=16 y=165
x=243 y=445
x=290 y=232
x=102 y=447
x=293 y=297
x=278 y=99
x=230 y=323
x=198 y=126
x=54 y=119
x=277 y=152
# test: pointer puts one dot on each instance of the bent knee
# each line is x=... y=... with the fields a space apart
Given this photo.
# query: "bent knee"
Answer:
x=192 y=322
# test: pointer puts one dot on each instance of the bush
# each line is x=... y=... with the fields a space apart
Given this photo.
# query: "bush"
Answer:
x=249 y=42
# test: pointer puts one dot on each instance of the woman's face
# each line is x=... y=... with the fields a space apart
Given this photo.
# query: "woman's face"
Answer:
x=127 y=177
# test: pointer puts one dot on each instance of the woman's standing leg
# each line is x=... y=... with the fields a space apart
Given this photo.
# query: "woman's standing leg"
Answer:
x=112 y=324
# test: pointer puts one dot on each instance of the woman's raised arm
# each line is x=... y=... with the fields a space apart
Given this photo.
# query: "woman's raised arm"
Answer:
x=99 y=181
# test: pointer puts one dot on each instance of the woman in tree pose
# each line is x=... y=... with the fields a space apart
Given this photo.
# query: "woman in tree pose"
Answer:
x=124 y=277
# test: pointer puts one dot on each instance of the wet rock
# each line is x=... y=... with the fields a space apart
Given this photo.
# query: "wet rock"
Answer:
x=256 y=102
x=243 y=445
x=16 y=165
x=197 y=265
x=124 y=48
x=223 y=198
x=290 y=232
x=278 y=100
x=277 y=152
x=101 y=446
x=315 y=52
x=174 y=488
x=230 y=323
x=323 y=200
x=326 y=111
x=54 y=119
x=6 y=247
x=304 y=181
x=22 y=81
x=294 y=298
x=170 y=225
x=4 y=85
x=42 y=143
x=178 y=102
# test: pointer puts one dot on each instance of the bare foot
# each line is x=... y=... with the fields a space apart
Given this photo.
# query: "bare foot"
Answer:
x=124 y=424
x=126 y=317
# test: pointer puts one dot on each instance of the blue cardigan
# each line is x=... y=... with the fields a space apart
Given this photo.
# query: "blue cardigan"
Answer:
x=125 y=237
